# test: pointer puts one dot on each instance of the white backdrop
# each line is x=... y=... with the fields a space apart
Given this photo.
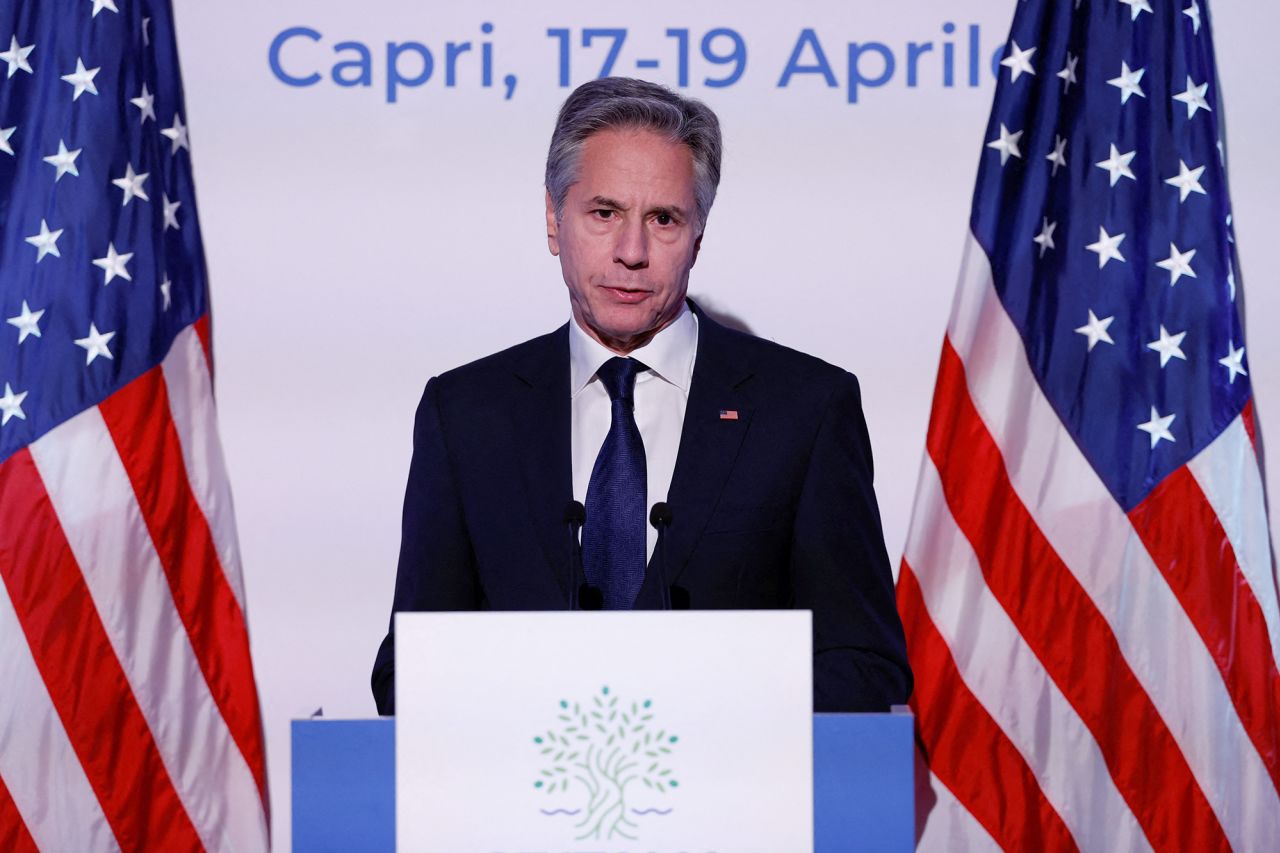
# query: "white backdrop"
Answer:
x=358 y=246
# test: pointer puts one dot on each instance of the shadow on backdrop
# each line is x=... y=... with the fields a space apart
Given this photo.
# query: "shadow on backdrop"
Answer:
x=720 y=314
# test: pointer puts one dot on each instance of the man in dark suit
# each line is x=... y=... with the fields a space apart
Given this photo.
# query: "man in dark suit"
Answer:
x=760 y=452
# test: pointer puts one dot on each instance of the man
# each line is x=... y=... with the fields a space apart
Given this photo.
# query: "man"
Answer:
x=760 y=452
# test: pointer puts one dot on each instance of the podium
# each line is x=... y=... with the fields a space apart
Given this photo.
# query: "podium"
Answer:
x=344 y=784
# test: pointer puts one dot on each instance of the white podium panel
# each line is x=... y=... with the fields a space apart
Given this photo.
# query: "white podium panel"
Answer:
x=626 y=732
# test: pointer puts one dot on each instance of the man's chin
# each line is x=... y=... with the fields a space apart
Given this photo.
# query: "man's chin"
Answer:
x=624 y=336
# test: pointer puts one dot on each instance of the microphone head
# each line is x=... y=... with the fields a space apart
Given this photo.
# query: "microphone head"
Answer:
x=575 y=513
x=660 y=515
x=590 y=597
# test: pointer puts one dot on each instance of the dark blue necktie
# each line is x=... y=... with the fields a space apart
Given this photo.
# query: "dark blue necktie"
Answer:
x=613 y=538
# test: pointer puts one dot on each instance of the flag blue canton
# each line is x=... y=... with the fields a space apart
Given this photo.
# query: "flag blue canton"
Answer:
x=101 y=263
x=1102 y=203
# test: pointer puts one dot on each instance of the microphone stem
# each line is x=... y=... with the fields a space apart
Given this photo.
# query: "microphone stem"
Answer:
x=662 y=546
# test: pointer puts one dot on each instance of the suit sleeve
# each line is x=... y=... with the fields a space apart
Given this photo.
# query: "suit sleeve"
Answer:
x=840 y=568
x=437 y=567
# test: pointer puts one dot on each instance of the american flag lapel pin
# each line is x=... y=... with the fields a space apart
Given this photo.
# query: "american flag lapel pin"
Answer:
x=728 y=414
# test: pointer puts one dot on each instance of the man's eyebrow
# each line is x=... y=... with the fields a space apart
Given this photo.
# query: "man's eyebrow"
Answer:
x=671 y=210
x=601 y=201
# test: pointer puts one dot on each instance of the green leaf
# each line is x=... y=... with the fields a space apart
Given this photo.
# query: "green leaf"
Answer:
x=648 y=702
x=673 y=739
x=647 y=782
x=652 y=767
x=660 y=787
x=538 y=784
x=559 y=755
x=562 y=770
x=564 y=717
x=635 y=748
x=605 y=690
x=673 y=783
x=661 y=733
x=546 y=773
x=664 y=750
x=666 y=772
x=546 y=750
x=537 y=740
x=626 y=718
x=612 y=714
x=609 y=742
x=564 y=704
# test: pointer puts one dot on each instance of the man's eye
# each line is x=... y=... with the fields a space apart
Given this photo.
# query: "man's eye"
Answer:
x=605 y=213
x=664 y=219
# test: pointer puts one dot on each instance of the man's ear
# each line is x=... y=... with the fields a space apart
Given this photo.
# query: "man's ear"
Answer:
x=553 y=230
x=697 y=247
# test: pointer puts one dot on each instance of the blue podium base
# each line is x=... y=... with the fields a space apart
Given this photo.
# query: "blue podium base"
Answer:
x=344 y=784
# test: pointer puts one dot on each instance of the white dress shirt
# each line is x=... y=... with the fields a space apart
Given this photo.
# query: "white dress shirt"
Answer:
x=662 y=392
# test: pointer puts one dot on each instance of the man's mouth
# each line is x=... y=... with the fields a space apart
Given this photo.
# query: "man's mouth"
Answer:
x=626 y=294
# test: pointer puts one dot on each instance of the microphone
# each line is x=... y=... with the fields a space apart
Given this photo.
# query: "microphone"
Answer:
x=575 y=514
x=660 y=518
x=582 y=595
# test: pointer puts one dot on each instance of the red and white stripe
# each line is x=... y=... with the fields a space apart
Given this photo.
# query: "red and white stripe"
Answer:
x=1118 y=670
x=131 y=716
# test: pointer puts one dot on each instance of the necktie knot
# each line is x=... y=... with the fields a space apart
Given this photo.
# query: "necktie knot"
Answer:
x=619 y=377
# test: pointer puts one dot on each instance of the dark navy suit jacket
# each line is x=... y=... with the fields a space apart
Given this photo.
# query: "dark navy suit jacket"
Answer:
x=772 y=510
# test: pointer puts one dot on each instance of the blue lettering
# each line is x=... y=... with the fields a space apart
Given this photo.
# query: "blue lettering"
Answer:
x=363 y=65
x=948 y=57
x=855 y=71
x=486 y=57
x=810 y=38
x=273 y=56
x=394 y=77
x=914 y=52
x=451 y=53
x=974 y=55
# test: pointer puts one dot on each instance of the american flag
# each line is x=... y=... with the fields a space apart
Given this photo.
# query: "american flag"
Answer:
x=128 y=710
x=1088 y=585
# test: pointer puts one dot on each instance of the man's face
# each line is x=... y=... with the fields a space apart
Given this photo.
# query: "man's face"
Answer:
x=628 y=236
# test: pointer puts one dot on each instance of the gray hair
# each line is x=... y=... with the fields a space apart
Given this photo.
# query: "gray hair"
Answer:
x=626 y=103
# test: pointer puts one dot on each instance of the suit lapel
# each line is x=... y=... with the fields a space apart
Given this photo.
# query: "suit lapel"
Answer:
x=709 y=440
x=541 y=438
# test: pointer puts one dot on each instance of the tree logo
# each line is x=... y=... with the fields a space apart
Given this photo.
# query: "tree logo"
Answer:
x=604 y=749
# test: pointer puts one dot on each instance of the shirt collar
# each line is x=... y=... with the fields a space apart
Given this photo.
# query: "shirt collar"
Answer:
x=669 y=355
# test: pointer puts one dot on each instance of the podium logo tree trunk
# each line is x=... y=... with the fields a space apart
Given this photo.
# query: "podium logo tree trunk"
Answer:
x=608 y=753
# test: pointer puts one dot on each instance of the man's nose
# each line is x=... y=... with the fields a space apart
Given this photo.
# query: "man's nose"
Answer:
x=632 y=248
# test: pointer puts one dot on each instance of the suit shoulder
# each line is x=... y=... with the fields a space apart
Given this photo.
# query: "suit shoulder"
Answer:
x=492 y=371
x=776 y=362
